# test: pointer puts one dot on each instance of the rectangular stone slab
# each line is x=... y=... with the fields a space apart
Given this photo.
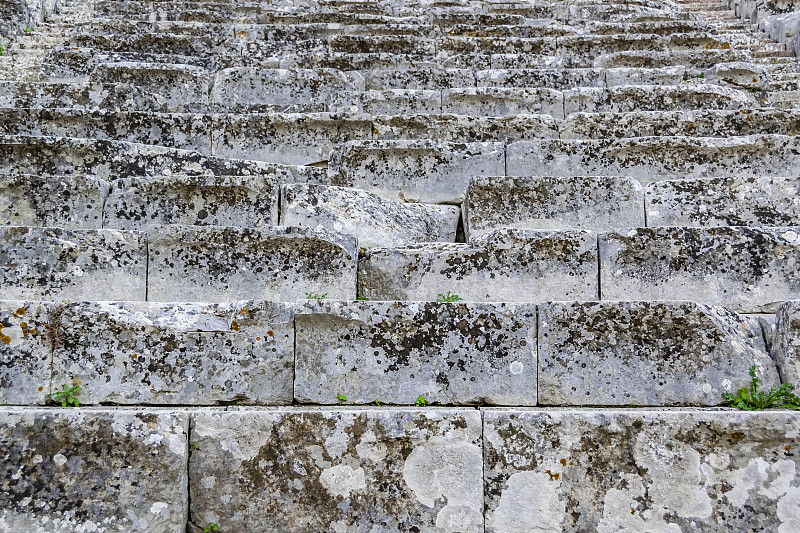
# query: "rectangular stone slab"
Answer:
x=25 y=352
x=507 y=265
x=577 y=470
x=786 y=343
x=218 y=264
x=746 y=269
x=647 y=353
x=394 y=352
x=69 y=470
x=503 y=101
x=179 y=354
x=629 y=98
x=81 y=264
x=338 y=470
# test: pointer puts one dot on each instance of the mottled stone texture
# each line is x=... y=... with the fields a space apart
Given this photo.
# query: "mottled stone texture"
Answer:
x=646 y=353
x=56 y=264
x=373 y=220
x=89 y=470
x=181 y=354
x=746 y=269
x=65 y=201
x=453 y=353
x=345 y=470
x=217 y=264
x=786 y=343
x=507 y=265
x=25 y=352
x=641 y=470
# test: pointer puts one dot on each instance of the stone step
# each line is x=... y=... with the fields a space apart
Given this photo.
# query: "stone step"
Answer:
x=786 y=343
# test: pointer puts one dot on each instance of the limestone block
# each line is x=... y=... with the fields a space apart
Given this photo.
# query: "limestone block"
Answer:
x=508 y=265
x=786 y=343
x=394 y=352
x=218 y=264
x=25 y=352
x=291 y=139
x=655 y=98
x=388 y=102
x=746 y=269
x=586 y=47
x=500 y=101
x=346 y=470
x=387 y=44
x=242 y=201
x=181 y=354
x=675 y=59
x=646 y=353
x=350 y=63
x=80 y=264
x=93 y=470
x=465 y=129
x=65 y=201
x=424 y=78
x=640 y=470
x=740 y=74
x=450 y=45
x=394 y=169
x=550 y=78
x=176 y=85
x=667 y=75
x=528 y=61
x=375 y=222
x=597 y=204
x=734 y=201
x=83 y=96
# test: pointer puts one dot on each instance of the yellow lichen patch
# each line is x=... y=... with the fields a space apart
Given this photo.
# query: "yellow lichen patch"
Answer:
x=563 y=462
x=737 y=435
x=553 y=476
x=41 y=388
x=244 y=311
x=5 y=339
x=258 y=338
x=270 y=333
x=787 y=447
x=235 y=326
x=20 y=311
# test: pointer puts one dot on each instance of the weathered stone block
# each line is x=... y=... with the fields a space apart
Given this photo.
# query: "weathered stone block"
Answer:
x=422 y=78
x=343 y=470
x=181 y=354
x=218 y=264
x=93 y=470
x=746 y=269
x=551 y=78
x=242 y=201
x=56 y=264
x=629 y=98
x=509 y=265
x=25 y=352
x=394 y=352
x=597 y=204
x=375 y=222
x=640 y=470
x=646 y=353
x=502 y=101
x=786 y=343
x=388 y=102
x=666 y=75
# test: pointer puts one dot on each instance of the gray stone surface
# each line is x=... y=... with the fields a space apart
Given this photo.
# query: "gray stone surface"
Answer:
x=81 y=264
x=338 y=470
x=640 y=470
x=597 y=204
x=93 y=470
x=25 y=352
x=746 y=269
x=394 y=352
x=786 y=343
x=499 y=101
x=243 y=201
x=646 y=353
x=655 y=98
x=218 y=264
x=375 y=222
x=387 y=102
x=179 y=354
x=507 y=265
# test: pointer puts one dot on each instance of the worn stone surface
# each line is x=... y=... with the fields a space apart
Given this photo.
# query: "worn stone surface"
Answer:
x=217 y=264
x=387 y=102
x=746 y=269
x=786 y=343
x=243 y=201
x=93 y=470
x=180 y=354
x=394 y=352
x=81 y=264
x=499 y=101
x=507 y=265
x=591 y=203
x=646 y=353
x=628 y=98
x=641 y=470
x=342 y=470
x=375 y=222
x=25 y=352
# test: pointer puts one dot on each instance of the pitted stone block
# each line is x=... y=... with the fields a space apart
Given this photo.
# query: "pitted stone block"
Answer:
x=640 y=470
x=646 y=353
x=375 y=222
x=65 y=201
x=733 y=201
x=348 y=469
x=592 y=203
x=181 y=354
x=388 y=102
x=500 y=101
x=448 y=46
x=218 y=264
x=393 y=169
x=550 y=78
x=80 y=264
x=394 y=352
x=509 y=265
x=667 y=75
x=740 y=74
x=93 y=470
x=679 y=59
x=655 y=98
x=25 y=352
x=431 y=78
x=461 y=129
x=746 y=269
x=86 y=96
x=587 y=47
x=242 y=201
x=528 y=61
x=786 y=343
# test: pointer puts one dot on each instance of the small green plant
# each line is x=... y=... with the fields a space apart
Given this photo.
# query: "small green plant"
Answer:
x=361 y=298
x=2 y=52
x=702 y=75
x=342 y=398
x=211 y=527
x=421 y=401
x=27 y=31
x=752 y=399
x=448 y=297
x=377 y=402
x=66 y=396
x=193 y=445
x=313 y=296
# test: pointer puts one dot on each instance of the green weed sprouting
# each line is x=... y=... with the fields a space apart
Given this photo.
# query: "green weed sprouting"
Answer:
x=448 y=297
x=66 y=396
x=752 y=399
